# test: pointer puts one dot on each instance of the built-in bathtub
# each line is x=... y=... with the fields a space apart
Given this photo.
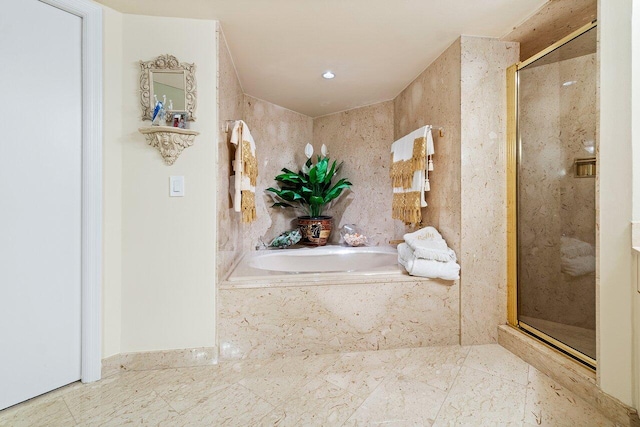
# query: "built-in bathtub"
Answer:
x=308 y=265
x=331 y=299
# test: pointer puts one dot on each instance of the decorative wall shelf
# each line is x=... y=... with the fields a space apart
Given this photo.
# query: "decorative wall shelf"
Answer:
x=168 y=140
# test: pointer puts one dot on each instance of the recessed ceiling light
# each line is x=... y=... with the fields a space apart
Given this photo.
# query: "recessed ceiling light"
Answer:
x=328 y=75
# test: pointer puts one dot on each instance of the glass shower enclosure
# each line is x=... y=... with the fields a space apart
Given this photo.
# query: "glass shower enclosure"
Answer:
x=552 y=195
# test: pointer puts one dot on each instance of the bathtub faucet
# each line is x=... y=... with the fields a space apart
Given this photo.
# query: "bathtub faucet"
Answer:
x=261 y=245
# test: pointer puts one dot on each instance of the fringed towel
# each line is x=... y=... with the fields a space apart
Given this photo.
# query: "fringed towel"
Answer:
x=245 y=167
x=411 y=161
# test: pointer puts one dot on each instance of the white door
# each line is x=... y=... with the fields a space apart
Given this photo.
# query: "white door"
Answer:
x=40 y=199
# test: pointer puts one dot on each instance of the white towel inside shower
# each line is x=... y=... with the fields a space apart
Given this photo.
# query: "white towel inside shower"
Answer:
x=577 y=257
x=574 y=248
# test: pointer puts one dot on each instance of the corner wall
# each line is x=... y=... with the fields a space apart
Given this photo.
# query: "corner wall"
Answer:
x=483 y=255
x=230 y=104
x=362 y=138
x=615 y=292
x=464 y=91
x=168 y=244
x=280 y=136
x=434 y=98
x=112 y=182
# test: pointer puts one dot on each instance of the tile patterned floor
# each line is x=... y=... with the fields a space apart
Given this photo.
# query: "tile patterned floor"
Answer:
x=439 y=386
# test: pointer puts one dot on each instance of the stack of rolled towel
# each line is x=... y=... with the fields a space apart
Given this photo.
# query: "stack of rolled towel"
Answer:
x=577 y=257
x=426 y=254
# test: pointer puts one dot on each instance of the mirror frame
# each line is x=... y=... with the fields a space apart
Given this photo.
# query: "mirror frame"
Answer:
x=164 y=64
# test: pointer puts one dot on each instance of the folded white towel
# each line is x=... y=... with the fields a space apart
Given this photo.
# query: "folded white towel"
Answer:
x=427 y=243
x=578 y=266
x=574 y=248
x=426 y=268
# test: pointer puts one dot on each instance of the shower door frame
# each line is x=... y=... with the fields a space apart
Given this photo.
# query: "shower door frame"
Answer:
x=513 y=153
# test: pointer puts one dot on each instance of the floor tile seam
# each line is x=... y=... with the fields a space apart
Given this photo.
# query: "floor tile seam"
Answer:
x=193 y=407
x=69 y=409
x=526 y=395
x=386 y=375
x=252 y=393
x=453 y=383
x=494 y=374
x=361 y=403
x=301 y=384
x=64 y=398
x=170 y=406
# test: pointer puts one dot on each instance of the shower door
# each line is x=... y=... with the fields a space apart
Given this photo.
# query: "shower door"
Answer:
x=553 y=226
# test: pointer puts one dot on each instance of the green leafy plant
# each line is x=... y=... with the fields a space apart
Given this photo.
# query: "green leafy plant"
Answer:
x=310 y=189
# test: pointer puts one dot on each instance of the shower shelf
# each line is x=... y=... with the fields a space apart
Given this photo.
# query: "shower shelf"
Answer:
x=585 y=167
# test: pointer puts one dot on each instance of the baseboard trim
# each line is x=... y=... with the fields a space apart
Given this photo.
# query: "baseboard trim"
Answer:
x=147 y=360
x=568 y=372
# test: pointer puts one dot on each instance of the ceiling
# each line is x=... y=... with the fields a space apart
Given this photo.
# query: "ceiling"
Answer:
x=375 y=47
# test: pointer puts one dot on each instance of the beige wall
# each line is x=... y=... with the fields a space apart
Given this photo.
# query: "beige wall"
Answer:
x=168 y=244
x=615 y=327
x=280 y=136
x=635 y=44
x=112 y=182
x=362 y=138
x=230 y=105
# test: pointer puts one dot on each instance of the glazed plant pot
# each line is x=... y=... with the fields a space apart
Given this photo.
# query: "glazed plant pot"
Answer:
x=315 y=231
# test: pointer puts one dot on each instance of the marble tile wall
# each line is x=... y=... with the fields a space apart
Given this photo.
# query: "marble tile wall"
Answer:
x=302 y=320
x=362 y=138
x=280 y=136
x=483 y=255
x=230 y=103
x=464 y=91
x=553 y=21
x=434 y=98
x=558 y=124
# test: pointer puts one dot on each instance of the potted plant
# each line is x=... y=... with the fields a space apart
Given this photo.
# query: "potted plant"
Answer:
x=311 y=189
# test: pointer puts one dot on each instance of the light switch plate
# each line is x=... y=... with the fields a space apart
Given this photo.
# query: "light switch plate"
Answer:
x=176 y=186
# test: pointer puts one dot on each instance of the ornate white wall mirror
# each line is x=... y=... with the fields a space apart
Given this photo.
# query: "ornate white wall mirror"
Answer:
x=167 y=78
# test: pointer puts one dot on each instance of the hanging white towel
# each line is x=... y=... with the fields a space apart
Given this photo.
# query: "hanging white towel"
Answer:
x=411 y=158
x=245 y=167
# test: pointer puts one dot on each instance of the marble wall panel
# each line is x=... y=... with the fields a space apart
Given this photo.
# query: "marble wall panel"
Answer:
x=362 y=138
x=553 y=21
x=280 y=137
x=434 y=98
x=558 y=125
x=230 y=103
x=483 y=255
x=302 y=320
